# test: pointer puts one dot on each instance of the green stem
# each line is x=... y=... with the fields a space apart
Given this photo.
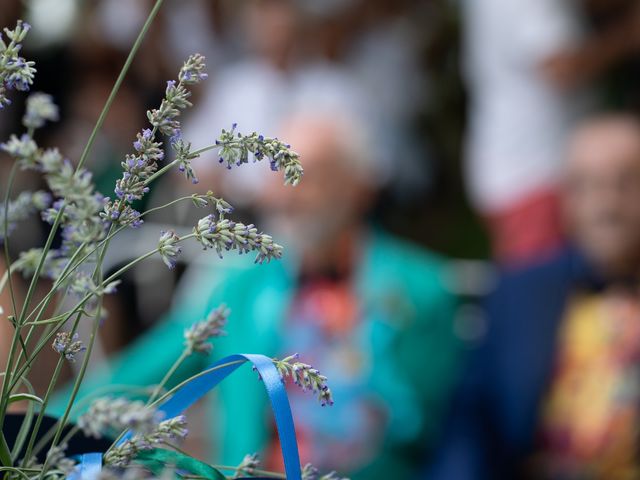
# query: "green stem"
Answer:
x=41 y=414
x=57 y=221
x=107 y=107
x=5 y=453
x=26 y=367
x=133 y=263
x=169 y=166
x=44 y=303
x=97 y=274
x=29 y=361
x=5 y=220
x=183 y=383
x=166 y=205
x=76 y=387
x=160 y=172
x=68 y=271
x=38 y=270
x=200 y=151
x=254 y=471
x=118 y=83
x=19 y=471
x=183 y=356
x=91 y=342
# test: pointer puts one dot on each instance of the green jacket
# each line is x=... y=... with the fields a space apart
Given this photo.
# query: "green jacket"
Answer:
x=410 y=320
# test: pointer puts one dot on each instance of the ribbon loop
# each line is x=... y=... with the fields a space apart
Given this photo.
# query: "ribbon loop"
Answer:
x=199 y=386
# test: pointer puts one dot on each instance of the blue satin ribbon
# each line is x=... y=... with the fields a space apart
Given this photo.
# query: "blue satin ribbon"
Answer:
x=89 y=467
x=91 y=463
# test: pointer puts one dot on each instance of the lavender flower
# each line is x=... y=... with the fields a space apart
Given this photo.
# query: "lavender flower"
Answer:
x=247 y=466
x=309 y=472
x=184 y=156
x=306 y=377
x=81 y=222
x=192 y=71
x=16 y=73
x=4 y=101
x=139 y=167
x=40 y=200
x=40 y=109
x=221 y=205
x=137 y=170
x=168 y=248
x=117 y=414
x=29 y=259
x=68 y=345
x=83 y=284
x=237 y=147
x=132 y=185
x=121 y=455
x=123 y=214
x=23 y=149
x=58 y=460
x=19 y=209
x=224 y=234
x=165 y=118
x=20 y=74
x=147 y=147
x=17 y=34
x=198 y=335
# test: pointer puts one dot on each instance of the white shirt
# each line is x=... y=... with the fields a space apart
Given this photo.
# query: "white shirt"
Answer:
x=518 y=120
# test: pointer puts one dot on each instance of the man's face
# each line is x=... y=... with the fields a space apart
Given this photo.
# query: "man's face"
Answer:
x=603 y=192
x=329 y=197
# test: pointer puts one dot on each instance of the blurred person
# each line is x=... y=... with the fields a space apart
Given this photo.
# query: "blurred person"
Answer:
x=552 y=391
x=367 y=309
x=271 y=76
x=525 y=62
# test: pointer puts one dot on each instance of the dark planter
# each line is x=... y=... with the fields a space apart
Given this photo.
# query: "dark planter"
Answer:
x=78 y=444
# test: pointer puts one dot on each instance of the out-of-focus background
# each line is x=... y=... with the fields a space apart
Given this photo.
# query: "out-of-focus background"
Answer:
x=441 y=123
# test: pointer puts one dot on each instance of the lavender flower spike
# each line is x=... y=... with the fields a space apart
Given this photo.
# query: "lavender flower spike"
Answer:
x=118 y=414
x=168 y=430
x=224 y=234
x=192 y=71
x=306 y=377
x=309 y=472
x=197 y=336
x=68 y=345
x=16 y=73
x=235 y=149
x=168 y=248
x=248 y=466
x=40 y=109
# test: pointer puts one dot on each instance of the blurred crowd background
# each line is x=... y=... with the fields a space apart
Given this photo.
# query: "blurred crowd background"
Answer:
x=464 y=160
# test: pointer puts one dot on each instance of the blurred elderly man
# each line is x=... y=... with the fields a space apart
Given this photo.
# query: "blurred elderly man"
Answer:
x=553 y=391
x=367 y=309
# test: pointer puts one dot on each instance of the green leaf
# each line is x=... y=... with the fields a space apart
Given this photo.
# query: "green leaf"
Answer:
x=5 y=454
x=25 y=428
x=18 y=397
